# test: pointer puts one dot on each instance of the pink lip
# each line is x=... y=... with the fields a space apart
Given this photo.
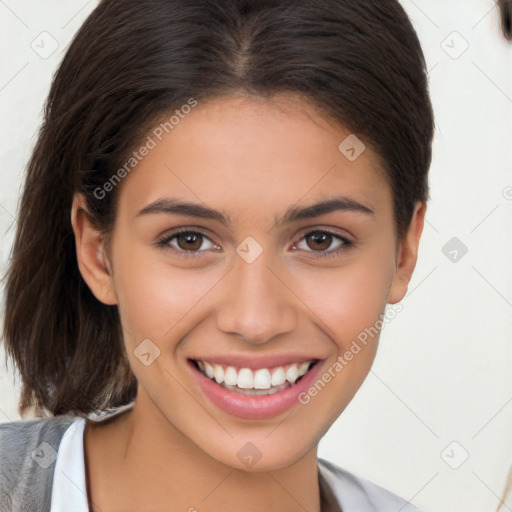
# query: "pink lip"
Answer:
x=255 y=362
x=254 y=407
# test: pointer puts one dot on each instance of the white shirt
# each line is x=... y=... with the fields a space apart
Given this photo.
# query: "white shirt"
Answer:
x=69 y=493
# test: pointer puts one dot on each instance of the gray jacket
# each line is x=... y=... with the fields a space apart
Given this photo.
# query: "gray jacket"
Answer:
x=27 y=451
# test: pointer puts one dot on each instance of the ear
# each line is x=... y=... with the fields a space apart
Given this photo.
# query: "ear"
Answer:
x=407 y=255
x=91 y=254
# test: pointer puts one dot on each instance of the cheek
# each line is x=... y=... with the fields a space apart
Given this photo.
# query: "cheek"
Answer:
x=347 y=300
x=155 y=297
x=349 y=303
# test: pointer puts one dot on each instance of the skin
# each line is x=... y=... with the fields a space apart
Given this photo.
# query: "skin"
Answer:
x=175 y=449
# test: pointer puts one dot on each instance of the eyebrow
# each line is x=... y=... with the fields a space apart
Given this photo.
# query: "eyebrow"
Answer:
x=179 y=207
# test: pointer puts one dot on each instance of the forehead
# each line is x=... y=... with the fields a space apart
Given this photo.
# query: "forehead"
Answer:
x=244 y=153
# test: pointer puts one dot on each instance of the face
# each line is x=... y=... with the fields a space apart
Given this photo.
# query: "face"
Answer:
x=263 y=290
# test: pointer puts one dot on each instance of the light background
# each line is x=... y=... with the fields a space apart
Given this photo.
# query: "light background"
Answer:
x=440 y=389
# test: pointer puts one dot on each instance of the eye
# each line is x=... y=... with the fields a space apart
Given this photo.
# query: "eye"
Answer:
x=321 y=239
x=185 y=242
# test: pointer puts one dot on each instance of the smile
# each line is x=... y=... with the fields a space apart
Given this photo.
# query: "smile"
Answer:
x=261 y=381
x=254 y=393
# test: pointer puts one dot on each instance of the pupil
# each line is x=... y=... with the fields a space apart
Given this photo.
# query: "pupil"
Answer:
x=319 y=237
x=189 y=238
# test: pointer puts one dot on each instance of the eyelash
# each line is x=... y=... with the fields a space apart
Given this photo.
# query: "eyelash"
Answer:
x=164 y=242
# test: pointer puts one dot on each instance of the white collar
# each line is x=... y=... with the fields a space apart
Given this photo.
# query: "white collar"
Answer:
x=69 y=492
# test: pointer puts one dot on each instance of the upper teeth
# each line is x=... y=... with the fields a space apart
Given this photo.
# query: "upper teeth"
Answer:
x=262 y=378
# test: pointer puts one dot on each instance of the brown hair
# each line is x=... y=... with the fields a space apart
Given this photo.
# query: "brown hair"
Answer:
x=131 y=63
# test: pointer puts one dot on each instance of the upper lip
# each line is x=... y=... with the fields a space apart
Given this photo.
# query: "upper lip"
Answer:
x=253 y=361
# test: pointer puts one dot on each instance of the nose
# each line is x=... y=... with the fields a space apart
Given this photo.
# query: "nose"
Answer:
x=257 y=303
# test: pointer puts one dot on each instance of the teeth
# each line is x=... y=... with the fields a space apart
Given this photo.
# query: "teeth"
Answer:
x=218 y=374
x=231 y=377
x=245 y=378
x=292 y=374
x=208 y=368
x=278 y=377
x=261 y=379
x=303 y=368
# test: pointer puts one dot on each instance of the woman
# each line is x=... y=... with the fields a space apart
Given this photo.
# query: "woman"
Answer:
x=224 y=198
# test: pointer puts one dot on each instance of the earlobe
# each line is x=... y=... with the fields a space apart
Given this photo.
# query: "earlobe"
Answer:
x=91 y=255
x=407 y=255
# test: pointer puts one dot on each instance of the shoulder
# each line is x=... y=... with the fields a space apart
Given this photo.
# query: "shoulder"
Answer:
x=355 y=493
x=28 y=450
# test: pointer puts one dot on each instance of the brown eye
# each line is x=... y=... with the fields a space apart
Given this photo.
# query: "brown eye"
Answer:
x=186 y=243
x=319 y=241
x=189 y=241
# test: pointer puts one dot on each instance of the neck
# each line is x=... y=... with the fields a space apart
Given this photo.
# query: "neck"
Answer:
x=139 y=460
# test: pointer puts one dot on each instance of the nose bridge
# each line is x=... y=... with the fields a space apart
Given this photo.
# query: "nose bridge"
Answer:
x=256 y=304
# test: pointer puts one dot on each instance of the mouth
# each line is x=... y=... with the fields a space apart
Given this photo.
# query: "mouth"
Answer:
x=254 y=382
x=254 y=393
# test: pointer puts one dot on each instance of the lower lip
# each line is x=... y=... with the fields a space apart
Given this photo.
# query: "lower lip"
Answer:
x=254 y=406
